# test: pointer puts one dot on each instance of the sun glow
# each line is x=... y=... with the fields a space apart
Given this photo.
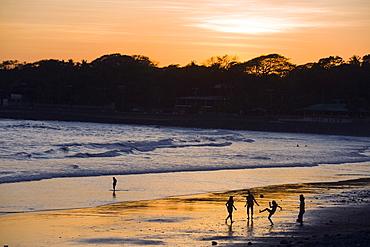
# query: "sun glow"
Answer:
x=248 y=26
x=181 y=31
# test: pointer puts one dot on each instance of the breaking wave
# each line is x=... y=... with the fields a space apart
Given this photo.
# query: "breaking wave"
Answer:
x=35 y=150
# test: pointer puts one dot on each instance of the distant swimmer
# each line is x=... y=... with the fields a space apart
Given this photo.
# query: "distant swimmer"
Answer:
x=114 y=183
x=273 y=206
x=230 y=206
x=249 y=204
x=301 y=209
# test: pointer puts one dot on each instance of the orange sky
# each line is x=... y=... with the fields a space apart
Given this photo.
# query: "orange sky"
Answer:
x=180 y=31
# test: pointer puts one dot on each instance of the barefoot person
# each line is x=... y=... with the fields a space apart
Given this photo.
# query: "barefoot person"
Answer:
x=114 y=183
x=230 y=206
x=301 y=209
x=249 y=204
x=273 y=206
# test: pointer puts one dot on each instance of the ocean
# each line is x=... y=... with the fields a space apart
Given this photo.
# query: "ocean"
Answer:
x=58 y=165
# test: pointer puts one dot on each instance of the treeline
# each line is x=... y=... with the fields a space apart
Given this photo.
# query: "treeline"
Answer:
x=269 y=82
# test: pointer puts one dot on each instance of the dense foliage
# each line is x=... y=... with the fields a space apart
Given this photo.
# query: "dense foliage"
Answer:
x=270 y=82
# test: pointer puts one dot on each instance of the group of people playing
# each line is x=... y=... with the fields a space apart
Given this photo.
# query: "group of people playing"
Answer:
x=250 y=201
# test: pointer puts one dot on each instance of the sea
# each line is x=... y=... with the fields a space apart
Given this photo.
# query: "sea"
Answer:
x=52 y=165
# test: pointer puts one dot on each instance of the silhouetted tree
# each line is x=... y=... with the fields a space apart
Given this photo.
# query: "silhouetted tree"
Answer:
x=269 y=64
x=331 y=62
x=270 y=82
x=11 y=64
x=355 y=60
x=221 y=62
x=366 y=60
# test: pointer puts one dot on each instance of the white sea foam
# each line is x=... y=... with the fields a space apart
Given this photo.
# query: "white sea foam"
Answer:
x=36 y=150
x=65 y=162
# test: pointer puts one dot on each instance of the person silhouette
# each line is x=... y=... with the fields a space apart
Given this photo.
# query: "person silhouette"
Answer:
x=114 y=183
x=273 y=206
x=250 y=200
x=230 y=206
x=301 y=209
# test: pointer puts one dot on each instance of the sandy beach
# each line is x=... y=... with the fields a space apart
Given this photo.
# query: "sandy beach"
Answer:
x=337 y=214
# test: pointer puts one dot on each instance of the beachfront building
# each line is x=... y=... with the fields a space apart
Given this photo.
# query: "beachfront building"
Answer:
x=199 y=104
x=333 y=113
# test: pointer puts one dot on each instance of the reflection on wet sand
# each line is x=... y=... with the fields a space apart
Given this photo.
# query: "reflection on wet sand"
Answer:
x=183 y=221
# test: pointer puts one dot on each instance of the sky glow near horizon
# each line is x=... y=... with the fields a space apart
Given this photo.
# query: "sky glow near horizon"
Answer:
x=177 y=32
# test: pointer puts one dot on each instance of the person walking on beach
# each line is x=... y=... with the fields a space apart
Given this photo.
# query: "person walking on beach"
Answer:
x=273 y=206
x=301 y=209
x=250 y=200
x=230 y=206
x=114 y=183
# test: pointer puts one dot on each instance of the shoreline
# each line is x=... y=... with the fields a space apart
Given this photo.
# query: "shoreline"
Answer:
x=337 y=214
x=96 y=191
x=336 y=211
x=230 y=122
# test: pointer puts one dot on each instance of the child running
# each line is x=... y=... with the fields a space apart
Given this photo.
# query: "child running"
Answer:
x=230 y=206
x=273 y=206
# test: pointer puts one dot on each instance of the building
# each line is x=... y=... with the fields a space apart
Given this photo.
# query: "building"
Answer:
x=334 y=113
x=199 y=104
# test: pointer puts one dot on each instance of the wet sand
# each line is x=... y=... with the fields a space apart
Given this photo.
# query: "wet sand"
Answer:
x=336 y=215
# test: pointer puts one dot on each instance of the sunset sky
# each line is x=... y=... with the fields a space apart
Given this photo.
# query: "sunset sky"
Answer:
x=181 y=31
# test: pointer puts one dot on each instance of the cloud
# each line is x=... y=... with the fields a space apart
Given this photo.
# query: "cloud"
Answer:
x=266 y=17
x=248 y=25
